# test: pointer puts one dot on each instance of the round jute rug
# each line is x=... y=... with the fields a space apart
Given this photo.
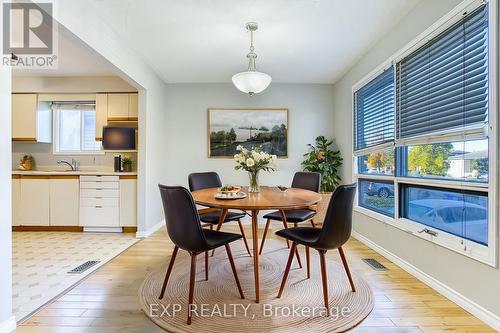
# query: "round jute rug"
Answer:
x=218 y=307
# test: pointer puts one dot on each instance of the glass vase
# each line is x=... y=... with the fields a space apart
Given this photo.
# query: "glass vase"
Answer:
x=254 y=181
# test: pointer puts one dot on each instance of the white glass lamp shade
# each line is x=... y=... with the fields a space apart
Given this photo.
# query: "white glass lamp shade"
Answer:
x=251 y=82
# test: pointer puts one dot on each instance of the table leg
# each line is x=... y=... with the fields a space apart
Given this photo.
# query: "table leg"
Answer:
x=255 y=240
x=222 y=217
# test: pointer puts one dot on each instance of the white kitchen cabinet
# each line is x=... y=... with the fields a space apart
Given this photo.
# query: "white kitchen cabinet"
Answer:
x=99 y=201
x=34 y=203
x=133 y=106
x=118 y=106
x=128 y=201
x=64 y=201
x=24 y=117
x=101 y=114
x=16 y=200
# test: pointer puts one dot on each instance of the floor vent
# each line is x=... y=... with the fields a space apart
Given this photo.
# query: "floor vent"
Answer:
x=375 y=264
x=83 y=267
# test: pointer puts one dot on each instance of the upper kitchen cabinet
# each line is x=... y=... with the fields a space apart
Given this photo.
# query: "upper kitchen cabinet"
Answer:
x=122 y=107
x=29 y=123
x=101 y=114
x=133 y=106
x=24 y=107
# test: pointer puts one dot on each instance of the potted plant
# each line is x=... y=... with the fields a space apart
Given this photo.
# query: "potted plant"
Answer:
x=253 y=161
x=321 y=158
x=127 y=164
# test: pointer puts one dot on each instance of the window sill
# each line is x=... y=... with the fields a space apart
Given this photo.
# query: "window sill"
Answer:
x=472 y=250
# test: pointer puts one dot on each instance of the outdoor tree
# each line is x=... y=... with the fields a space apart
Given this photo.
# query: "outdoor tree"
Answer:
x=232 y=135
x=430 y=159
x=379 y=160
x=481 y=165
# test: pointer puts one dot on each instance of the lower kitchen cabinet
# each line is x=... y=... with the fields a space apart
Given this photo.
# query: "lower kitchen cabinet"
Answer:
x=64 y=200
x=34 y=203
x=16 y=200
x=128 y=201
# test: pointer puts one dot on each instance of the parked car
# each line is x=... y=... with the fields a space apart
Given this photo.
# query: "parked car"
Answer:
x=379 y=189
x=463 y=219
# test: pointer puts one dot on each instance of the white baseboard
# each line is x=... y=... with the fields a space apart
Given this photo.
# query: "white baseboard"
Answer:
x=146 y=233
x=475 y=309
x=8 y=325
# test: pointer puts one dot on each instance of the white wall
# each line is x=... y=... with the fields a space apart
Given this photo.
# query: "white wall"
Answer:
x=476 y=281
x=70 y=84
x=6 y=321
x=310 y=114
x=83 y=20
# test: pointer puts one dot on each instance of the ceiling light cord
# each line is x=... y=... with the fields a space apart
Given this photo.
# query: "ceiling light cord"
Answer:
x=252 y=55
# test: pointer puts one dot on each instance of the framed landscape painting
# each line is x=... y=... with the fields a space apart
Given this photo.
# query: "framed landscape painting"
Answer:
x=230 y=128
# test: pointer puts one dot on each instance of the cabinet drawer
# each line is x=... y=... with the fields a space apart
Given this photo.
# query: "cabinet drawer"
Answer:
x=99 y=216
x=99 y=201
x=97 y=185
x=98 y=178
x=99 y=193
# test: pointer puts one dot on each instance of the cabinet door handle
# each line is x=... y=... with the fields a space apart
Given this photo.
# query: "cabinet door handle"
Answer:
x=98 y=197
x=98 y=206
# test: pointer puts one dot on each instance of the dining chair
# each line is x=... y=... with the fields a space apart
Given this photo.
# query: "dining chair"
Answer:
x=304 y=180
x=185 y=231
x=335 y=232
x=203 y=180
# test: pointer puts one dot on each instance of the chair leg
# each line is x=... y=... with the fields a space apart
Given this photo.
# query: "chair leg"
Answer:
x=346 y=267
x=297 y=250
x=233 y=267
x=169 y=270
x=323 y=280
x=264 y=235
x=211 y=227
x=287 y=268
x=308 y=263
x=206 y=265
x=312 y=223
x=192 y=275
x=244 y=237
x=298 y=257
x=285 y=226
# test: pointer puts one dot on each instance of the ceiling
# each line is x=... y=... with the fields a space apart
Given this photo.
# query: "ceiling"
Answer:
x=298 y=41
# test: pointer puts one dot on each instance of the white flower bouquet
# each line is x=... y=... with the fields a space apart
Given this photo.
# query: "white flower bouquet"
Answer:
x=253 y=161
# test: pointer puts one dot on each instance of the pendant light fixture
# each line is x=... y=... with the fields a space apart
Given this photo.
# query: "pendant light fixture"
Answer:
x=251 y=81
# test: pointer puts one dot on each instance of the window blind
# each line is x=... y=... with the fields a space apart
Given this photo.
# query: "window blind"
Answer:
x=444 y=84
x=374 y=111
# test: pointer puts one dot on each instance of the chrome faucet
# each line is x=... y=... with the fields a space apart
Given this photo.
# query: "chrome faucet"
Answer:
x=73 y=165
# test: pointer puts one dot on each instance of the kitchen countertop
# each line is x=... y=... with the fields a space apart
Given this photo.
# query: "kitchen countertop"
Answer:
x=76 y=173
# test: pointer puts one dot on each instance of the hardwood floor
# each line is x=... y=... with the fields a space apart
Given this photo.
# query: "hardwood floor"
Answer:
x=107 y=300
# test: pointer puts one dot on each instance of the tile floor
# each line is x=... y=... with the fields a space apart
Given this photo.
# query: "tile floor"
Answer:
x=41 y=260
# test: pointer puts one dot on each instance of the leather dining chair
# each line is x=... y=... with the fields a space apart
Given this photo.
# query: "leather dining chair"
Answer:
x=203 y=180
x=335 y=232
x=304 y=180
x=185 y=231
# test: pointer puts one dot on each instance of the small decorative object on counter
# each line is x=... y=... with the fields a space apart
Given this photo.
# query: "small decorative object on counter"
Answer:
x=27 y=163
x=253 y=161
x=127 y=164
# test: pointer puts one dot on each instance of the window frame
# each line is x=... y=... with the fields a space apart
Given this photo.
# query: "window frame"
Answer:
x=485 y=254
x=56 y=131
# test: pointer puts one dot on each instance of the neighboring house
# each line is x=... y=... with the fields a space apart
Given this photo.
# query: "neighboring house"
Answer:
x=461 y=165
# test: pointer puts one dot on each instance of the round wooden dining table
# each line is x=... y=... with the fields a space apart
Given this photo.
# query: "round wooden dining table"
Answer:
x=269 y=198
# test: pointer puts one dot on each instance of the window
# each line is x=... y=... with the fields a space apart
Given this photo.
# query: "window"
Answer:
x=374 y=119
x=377 y=196
x=423 y=138
x=74 y=128
x=461 y=213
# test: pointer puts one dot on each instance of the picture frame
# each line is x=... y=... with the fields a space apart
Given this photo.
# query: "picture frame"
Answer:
x=229 y=128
